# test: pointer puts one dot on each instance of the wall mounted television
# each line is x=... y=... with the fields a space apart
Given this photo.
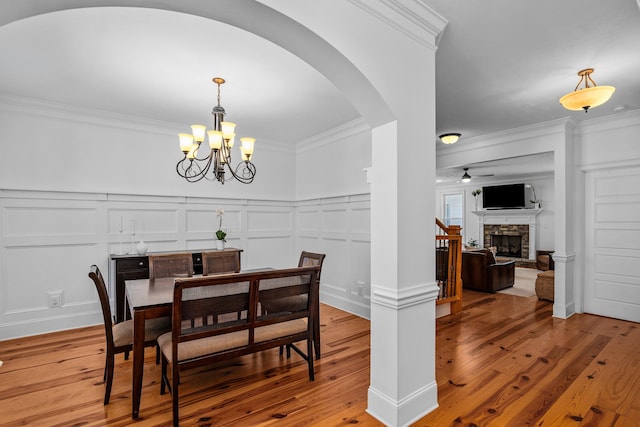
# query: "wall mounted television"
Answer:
x=503 y=196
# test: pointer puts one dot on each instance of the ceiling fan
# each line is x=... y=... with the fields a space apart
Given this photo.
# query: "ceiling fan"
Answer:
x=467 y=178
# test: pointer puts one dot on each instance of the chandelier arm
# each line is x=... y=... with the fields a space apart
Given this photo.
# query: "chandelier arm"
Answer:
x=194 y=172
x=590 y=79
x=245 y=175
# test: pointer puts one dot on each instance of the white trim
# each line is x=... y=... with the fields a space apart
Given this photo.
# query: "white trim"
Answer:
x=399 y=299
x=419 y=403
x=338 y=133
x=413 y=18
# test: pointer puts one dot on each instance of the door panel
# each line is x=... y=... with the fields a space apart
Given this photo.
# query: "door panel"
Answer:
x=612 y=243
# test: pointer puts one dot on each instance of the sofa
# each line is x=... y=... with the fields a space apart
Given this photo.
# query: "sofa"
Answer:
x=481 y=271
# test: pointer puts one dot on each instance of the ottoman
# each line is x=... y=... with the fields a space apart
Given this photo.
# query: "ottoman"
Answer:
x=544 y=285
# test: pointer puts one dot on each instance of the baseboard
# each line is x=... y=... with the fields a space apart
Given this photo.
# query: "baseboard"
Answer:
x=405 y=411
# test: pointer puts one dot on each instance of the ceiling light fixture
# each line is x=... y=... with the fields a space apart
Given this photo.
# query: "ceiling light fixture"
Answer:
x=221 y=140
x=450 y=138
x=466 y=177
x=587 y=97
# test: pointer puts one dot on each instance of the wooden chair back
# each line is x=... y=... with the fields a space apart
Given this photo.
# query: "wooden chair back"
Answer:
x=218 y=262
x=101 y=287
x=224 y=296
x=170 y=265
x=311 y=259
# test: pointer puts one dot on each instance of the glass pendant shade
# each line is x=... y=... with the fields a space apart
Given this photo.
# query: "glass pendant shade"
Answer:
x=449 y=138
x=215 y=139
x=247 y=145
x=583 y=99
x=198 y=132
x=186 y=141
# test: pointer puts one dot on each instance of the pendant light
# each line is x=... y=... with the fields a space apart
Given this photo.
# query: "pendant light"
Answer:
x=587 y=97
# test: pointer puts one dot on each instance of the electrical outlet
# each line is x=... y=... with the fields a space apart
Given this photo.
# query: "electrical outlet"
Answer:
x=54 y=299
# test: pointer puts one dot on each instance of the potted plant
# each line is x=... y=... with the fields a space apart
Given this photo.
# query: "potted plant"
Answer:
x=221 y=234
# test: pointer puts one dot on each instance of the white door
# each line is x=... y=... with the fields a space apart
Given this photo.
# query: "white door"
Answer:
x=612 y=243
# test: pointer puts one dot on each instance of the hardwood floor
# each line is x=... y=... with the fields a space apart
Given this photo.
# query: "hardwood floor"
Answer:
x=502 y=361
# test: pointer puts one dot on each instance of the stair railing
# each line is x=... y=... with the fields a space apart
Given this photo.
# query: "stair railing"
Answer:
x=449 y=265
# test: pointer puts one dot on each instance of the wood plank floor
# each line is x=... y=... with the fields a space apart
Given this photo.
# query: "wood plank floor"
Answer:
x=502 y=361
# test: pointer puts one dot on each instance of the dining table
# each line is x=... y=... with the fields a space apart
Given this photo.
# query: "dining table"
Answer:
x=149 y=299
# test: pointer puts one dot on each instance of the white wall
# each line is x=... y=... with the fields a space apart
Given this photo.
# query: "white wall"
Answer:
x=332 y=163
x=54 y=147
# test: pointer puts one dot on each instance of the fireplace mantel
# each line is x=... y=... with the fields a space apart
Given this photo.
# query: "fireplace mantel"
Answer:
x=496 y=216
x=509 y=216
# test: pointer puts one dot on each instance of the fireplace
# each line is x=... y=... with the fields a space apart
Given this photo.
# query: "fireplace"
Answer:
x=510 y=240
x=509 y=245
x=518 y=224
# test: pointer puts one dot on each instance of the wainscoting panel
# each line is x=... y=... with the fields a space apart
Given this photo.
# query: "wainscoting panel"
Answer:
x=308 y=222
x=339 y=227
x=38 y=221
x=33 y=271
x=268 y=220
x=50 y=239
x=274 y=252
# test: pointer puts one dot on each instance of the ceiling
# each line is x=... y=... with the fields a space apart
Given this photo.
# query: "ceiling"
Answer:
x=500 y=65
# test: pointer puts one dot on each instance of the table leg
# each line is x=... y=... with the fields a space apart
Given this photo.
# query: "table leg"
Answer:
x=138 y=360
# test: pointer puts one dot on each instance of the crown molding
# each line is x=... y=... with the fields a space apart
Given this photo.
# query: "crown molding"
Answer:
x=413 y=18
x=78 y=114
x=329 y=136
x=73 y=113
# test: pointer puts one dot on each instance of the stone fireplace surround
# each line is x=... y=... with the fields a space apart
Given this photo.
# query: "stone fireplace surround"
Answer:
x=509 y=222
x=508 y=232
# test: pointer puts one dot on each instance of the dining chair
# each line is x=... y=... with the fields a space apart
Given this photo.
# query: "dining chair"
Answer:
x=170 y=265
x=218 y=262
x=120 y=335
x=296 y=303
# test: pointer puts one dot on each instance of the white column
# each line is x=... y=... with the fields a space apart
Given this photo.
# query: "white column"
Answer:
x=403 y=289
x=532 y=238
x=564 y=255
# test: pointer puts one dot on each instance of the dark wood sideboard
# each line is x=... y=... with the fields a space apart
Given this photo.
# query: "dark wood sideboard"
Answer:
x=128 y=267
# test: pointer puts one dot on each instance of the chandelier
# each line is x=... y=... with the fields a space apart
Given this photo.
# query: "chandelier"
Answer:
x=587 y=97
x=218 y=158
